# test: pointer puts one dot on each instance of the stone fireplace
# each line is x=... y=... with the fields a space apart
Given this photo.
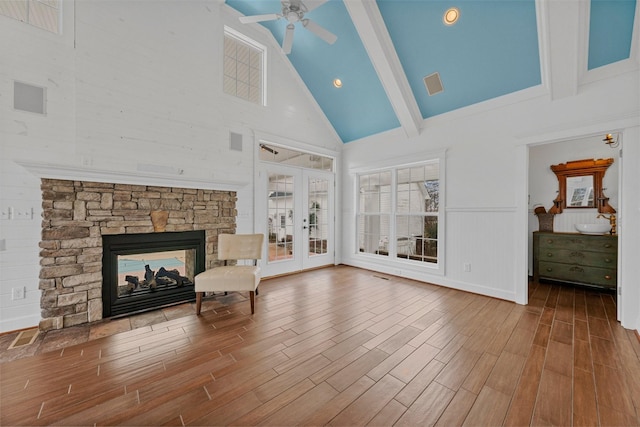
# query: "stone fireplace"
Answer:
x=76 y=216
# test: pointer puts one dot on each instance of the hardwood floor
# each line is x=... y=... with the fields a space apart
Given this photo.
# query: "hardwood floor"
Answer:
x=343 y=346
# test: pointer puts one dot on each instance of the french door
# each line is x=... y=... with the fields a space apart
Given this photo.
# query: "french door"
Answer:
x=295 y=210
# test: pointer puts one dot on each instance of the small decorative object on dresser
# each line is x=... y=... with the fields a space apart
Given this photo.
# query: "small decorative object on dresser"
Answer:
x=545 y=219
x=582 y=259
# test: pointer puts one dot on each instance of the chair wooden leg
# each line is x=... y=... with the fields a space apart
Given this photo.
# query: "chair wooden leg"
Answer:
x=198 y=302
x=252 y=297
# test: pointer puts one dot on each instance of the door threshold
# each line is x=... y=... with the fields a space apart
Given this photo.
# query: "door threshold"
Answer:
x=290 y=273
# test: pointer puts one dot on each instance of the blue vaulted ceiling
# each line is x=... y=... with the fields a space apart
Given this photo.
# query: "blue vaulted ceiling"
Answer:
x=492 y=50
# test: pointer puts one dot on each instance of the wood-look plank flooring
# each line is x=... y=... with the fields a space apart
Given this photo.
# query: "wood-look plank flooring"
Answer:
x=342 y=346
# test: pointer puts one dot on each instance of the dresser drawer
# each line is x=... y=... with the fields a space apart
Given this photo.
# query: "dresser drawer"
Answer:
x=580 y=257
x=578 y=274
x=578 y=242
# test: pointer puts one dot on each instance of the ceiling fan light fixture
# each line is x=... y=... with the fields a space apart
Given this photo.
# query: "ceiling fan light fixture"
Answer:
x=293 y=12
x=451 y=16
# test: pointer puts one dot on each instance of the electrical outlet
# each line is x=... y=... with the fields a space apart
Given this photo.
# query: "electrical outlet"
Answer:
x=17 y=293
x=26 y=213
x=467 y=266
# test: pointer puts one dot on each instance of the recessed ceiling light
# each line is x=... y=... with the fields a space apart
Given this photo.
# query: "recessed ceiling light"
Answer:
x=451 y=16
x=337 y=83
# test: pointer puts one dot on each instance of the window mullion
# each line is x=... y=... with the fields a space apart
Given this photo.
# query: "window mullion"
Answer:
x=393 y=238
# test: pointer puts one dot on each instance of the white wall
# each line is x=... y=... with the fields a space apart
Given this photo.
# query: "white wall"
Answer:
x=629 y=229
x=487 y=207
x=134 y=83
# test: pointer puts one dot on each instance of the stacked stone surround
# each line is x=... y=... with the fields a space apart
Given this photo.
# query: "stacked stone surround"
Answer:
x=77 y=213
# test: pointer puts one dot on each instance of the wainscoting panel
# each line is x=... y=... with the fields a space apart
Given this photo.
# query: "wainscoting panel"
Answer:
x=478 y=243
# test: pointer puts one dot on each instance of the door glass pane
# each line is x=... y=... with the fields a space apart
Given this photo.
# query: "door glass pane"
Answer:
x=280 y=205
x=318 y=215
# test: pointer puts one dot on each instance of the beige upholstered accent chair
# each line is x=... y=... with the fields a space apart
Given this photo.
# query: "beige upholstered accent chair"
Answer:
x=242 y=278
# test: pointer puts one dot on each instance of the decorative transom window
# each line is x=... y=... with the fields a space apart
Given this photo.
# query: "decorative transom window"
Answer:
x=244 y=67
x=43 y=14
x=293 y=157
x=399 y=213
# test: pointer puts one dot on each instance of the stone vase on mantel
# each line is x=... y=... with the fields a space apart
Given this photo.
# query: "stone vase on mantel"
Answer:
x=159 y=220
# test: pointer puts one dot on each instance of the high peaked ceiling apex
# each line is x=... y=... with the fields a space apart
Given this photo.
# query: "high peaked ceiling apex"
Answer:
x=385 y=48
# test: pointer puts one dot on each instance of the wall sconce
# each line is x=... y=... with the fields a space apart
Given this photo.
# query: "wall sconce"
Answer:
x=610 y=141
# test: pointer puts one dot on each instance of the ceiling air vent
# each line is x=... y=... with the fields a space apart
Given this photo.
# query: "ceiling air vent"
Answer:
x=433 y=84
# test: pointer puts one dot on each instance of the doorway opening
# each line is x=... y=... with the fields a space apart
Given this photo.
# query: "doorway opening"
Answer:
x=543 y=191
x=295 y=208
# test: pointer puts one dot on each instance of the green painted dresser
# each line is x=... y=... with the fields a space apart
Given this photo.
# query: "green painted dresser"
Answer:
x=576 y=258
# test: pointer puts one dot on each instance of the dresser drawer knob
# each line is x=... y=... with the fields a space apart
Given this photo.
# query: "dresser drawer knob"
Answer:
x=549 y=269
x=607 y=260
x=607 y=277
x=549 y=254
x=549 y=240
x=607 y=245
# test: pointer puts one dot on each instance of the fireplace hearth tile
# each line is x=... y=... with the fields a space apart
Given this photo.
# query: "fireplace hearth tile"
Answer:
x=221 y=302
x=147 y=319
x=61 y=338
x=178 y=311
x=56 y=340
x=110 y=327
x=15 y=353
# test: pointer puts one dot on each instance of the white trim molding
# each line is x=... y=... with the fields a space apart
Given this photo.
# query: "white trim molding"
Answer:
x=47 y=170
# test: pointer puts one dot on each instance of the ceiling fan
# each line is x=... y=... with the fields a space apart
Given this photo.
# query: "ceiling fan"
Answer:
x=293 y=11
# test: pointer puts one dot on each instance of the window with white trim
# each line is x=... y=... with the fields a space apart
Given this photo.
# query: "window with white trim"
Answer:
x=399 y=212
x=244 y=67
x=374 y=216
x=43 y=14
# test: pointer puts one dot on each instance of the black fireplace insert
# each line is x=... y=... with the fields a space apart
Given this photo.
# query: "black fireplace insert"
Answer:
x=142 y=272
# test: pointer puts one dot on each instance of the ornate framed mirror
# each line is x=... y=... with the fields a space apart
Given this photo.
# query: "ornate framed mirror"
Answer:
x=580 y=185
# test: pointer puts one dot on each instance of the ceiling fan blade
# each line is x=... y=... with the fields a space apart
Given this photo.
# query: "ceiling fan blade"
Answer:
x=288 y=39
x=259 y=18
x=319 y=31
x=313 y=4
